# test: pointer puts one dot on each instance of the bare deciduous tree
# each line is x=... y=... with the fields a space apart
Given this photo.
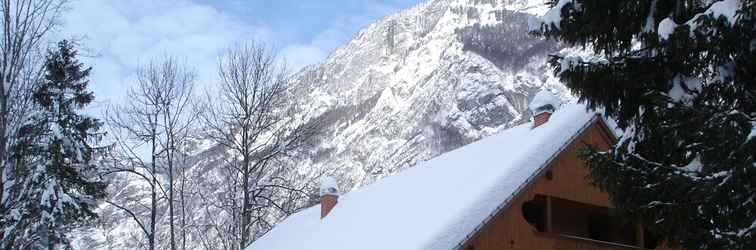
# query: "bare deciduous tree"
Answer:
x=177 y=84
x=251 y=118
x=132 y=126
x=157 y=115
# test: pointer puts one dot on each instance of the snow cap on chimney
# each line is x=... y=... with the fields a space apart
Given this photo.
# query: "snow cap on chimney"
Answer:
x=329 y=195
x=329 y=185
x=542 y=106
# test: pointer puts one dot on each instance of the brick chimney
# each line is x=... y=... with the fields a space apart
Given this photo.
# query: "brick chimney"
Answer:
x=541 y=118
x=329 y=195
x=543 y=105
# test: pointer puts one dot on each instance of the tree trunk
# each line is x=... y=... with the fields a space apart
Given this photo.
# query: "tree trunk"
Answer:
x=245 y=207
x=183 y=210
x=245 y=213
x=50 y=242
x=4 y=114
x=170 y=191
x=3 y=148
x=153 y=208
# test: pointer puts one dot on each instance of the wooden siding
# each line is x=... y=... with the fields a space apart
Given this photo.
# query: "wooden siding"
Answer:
x=509 y=230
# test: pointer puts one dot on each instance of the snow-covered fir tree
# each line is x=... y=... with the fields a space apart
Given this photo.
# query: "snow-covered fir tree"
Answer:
x=678 y=76
x=59 y=183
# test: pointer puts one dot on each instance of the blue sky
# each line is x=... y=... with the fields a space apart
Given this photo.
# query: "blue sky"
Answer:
x=118 y=35
x=302 y=21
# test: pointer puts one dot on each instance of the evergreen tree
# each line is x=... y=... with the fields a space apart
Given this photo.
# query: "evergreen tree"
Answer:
x=60 y=184
x=678 y=76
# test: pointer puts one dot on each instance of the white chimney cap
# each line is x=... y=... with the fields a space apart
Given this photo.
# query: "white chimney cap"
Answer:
x=542 y=100
x=329 y=185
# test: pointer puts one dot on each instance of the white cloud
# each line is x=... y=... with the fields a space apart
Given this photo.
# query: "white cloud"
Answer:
x=122 y=34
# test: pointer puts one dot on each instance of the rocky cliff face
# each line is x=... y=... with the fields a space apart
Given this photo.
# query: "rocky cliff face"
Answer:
x=422 y=82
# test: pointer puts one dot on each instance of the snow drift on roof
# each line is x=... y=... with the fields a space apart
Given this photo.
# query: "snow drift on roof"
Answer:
x=543 y=98
x=436 y=204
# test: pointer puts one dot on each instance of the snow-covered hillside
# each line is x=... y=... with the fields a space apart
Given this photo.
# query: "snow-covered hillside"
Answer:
x=408 y=87
x=422 y=82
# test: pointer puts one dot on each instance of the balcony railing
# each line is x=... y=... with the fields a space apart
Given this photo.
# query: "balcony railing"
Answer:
x=569 y=242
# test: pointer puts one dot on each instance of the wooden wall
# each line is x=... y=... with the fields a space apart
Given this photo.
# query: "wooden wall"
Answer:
x=509 y=230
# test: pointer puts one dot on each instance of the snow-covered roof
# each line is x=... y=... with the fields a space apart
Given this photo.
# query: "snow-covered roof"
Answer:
x=438 y=203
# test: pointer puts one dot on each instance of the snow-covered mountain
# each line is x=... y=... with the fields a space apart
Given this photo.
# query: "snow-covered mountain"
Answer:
x=408 y=87
x=424 y=81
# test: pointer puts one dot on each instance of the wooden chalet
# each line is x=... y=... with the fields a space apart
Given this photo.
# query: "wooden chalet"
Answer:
x=524 y=188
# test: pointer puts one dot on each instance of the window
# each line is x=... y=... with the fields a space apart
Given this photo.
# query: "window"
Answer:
x=534 y=212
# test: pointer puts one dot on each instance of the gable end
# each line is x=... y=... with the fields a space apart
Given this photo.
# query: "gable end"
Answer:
x=606 y=134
